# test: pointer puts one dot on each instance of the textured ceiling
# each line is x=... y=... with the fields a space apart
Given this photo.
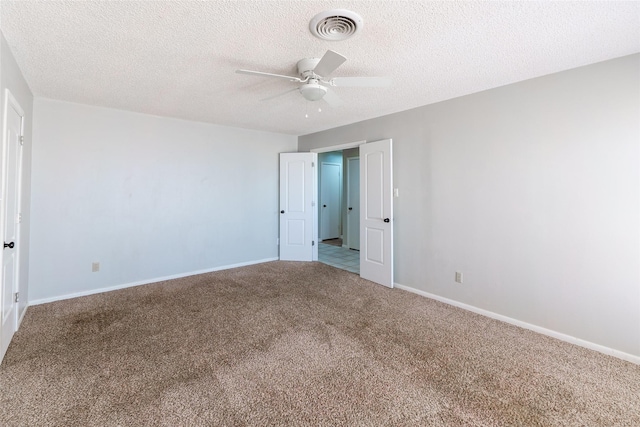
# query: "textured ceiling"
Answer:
x=177 y=58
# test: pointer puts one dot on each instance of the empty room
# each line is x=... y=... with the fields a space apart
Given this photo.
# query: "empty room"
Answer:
x=320 y=213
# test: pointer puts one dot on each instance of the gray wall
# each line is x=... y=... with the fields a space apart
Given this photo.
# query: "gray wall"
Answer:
x=146 y=197
x=11 y=78
x=532 y=190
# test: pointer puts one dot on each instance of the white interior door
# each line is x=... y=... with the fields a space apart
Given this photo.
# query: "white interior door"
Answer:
x=376 y=226
x=10 y=218
x=353 y=203
x=297 y=206
x=330 y=198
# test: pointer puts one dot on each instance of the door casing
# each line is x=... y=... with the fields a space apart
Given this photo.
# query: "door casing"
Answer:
x=353 y=203
x=330 y=200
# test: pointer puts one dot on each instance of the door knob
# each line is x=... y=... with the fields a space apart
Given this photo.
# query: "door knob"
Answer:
x=350 y=209
x=9 y=245
x=324 y=206
x=281 y=211
x=386 y=220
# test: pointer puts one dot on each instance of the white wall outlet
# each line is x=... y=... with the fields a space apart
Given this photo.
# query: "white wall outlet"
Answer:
x=95 y=266
x=458 y=277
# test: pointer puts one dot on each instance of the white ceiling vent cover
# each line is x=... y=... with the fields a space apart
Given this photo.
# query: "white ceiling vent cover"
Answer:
x=335 y=25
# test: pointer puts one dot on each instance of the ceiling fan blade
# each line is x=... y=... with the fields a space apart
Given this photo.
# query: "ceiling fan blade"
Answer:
x=261 y=74
x=332 y=99
x=279 y=94
x=328 y=64
x=361 y=81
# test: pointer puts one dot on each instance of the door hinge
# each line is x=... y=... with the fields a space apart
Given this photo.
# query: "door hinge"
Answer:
x=313 y=243
x=18 y=218
x=16 y=297
x=313 y=164
x=21 y=140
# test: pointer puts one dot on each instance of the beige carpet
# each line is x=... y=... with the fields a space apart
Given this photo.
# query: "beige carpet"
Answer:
x=297 y=344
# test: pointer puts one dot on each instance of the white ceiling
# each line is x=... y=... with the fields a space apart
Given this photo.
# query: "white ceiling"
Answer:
x=177 y=58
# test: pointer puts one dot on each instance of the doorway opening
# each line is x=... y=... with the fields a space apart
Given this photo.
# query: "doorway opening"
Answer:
x=339 y=209
x=299 y=205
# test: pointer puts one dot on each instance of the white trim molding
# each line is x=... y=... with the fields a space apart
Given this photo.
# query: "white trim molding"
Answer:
x=554 y=334
x=146 y=282
x=338 y=147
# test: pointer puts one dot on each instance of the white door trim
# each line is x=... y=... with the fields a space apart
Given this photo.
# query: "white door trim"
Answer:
x=338 y=147
x=321 y=201
x=348 y=226
x=10 y=99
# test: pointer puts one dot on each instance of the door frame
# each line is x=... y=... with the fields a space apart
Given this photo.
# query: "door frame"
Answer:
x=321 y=201
x=328 y=149
x=10 y=101
x=347 y=241
x=338 y=147
x=355 y=144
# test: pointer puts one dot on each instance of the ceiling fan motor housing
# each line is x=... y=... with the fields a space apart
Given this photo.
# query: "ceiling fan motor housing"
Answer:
x=306 y=66
x=313 y=91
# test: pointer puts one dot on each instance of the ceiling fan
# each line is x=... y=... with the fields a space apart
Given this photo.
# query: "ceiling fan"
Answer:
x=314 y=82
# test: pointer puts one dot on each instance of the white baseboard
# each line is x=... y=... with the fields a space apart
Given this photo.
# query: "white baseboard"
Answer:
x=21 y=316
x=146 y=282
x=554 y=334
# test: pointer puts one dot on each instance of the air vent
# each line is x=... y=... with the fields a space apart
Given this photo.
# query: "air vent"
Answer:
x=335 y=25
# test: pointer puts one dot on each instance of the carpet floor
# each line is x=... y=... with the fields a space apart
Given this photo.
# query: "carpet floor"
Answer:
x=297 y=344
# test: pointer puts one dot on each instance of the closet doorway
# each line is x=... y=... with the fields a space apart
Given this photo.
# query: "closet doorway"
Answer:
x=339 y=209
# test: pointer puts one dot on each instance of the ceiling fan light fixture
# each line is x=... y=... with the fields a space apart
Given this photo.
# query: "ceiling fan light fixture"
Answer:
x=335 y=24
x=313 y=91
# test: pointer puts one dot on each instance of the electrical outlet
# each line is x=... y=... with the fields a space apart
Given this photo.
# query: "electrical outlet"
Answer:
x=458 y=277
x=95 y=267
